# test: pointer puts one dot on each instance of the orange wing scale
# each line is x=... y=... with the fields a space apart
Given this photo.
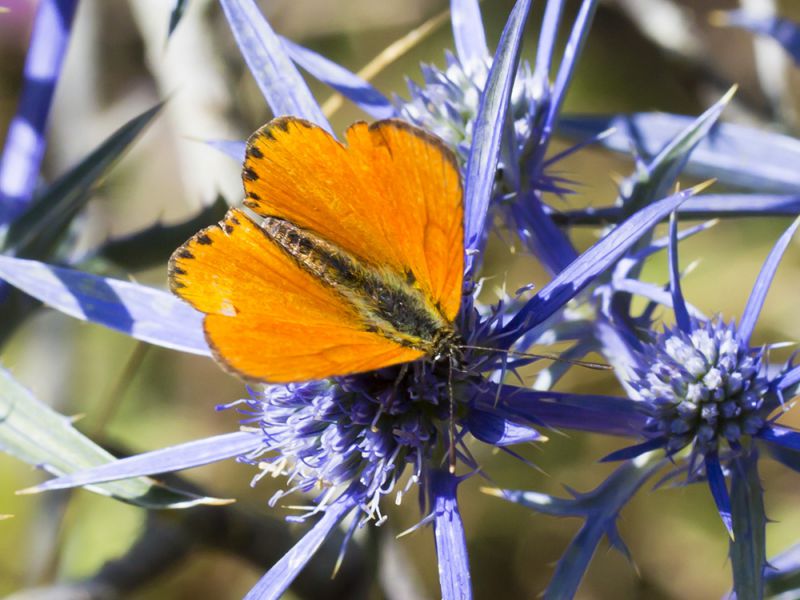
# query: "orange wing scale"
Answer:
x=267 y=319
x=392 y=197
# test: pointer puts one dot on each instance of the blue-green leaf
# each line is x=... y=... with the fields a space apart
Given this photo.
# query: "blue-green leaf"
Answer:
x=736 y=155
x=34 y=433
x=143 y=313
x=748 y=546
x=274 y=72
x=600 y=509
x=655 y=179
x=40 y=228
x=488 y=128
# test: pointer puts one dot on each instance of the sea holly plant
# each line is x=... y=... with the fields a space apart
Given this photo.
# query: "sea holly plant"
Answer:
x=354 y=435
x=701 y=401
x=710 y=404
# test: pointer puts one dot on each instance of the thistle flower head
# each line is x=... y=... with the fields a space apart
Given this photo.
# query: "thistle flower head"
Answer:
x=447 y=102
x=371 y=429
x=704 y=387
x=364 y=429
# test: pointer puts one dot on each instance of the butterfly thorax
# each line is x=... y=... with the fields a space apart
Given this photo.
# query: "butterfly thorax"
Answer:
x=387 y=302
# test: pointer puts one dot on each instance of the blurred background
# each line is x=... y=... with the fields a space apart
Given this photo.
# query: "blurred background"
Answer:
x=134 y=398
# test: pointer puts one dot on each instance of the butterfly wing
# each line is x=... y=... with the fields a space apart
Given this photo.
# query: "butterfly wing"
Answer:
x=266 y=318
x=392 y=197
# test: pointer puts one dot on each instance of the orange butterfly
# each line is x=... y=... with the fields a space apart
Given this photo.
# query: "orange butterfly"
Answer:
x=355 y=264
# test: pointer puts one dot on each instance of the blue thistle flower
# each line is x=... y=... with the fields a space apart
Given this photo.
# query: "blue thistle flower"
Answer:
x=447 y=105
x=361 y=434
x=363 y=430
x=707 y=404
x=705 y=387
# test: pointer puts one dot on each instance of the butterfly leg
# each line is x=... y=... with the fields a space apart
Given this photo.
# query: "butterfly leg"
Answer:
x=451 y=426
x=392 y=397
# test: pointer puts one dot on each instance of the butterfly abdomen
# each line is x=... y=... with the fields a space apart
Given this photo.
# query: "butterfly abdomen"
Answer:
x=387 y=303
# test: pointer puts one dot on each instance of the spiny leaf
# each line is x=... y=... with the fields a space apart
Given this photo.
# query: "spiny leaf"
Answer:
x=37 y=232
x=176 y=15
x=600 y=508
x=737 y=155
x=153 y=245
x=655 y=179
x=144 y=313
x=280 y=82
x=39 y=436
x=748 y=548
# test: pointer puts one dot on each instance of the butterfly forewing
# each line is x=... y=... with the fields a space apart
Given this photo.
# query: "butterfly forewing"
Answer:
x=391 y=197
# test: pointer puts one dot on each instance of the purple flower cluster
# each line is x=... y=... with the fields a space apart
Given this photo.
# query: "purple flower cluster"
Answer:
x=704 y=387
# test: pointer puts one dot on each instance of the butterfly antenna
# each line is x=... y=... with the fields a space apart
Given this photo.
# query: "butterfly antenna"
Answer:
x=451 y=427
x=502 y=378
x=579 y=363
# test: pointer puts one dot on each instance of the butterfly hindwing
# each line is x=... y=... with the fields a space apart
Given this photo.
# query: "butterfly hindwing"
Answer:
x=266 y=318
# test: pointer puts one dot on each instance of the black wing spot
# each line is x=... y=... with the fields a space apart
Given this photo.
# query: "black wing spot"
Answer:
x=178 y=271
x=251 y=204
x=184 y=253
x=255 y=152
x=411 y=279
x=176 y=285
x=235 y=221
x=204 y=240
x=253 y=195
x=249 y=174
x=228 y=228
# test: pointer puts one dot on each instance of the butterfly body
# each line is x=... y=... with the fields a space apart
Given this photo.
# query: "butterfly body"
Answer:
x=388 y=304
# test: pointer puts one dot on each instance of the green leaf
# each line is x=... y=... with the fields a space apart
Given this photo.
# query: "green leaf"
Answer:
x=37 y=435
x=748 y=547
x=42 y=226
x=175 y=16
x=152 y=246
